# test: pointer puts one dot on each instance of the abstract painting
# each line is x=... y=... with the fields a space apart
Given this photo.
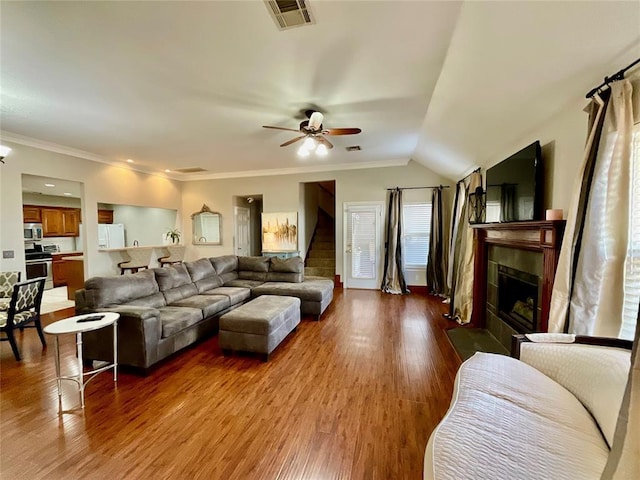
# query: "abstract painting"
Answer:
x=280 y=232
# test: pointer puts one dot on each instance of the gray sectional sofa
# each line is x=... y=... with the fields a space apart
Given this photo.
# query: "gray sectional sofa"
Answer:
x=163 y=310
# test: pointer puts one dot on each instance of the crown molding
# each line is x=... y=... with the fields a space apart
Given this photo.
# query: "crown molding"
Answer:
x=74 y=152
x=297 y=170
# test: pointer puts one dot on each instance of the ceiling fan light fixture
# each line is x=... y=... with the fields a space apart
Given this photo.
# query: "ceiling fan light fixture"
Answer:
x=309 y=143
x=303 y=152
x=321 y=150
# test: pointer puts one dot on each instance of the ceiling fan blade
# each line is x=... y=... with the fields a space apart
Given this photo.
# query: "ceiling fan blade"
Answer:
x=294 y=140
x=280 y=128
x=341 y=131
x=326 y=142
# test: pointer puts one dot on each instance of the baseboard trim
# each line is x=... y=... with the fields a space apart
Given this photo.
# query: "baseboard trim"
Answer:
x=421 y=289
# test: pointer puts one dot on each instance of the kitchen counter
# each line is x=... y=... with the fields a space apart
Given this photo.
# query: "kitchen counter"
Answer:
x=77 y=258
x=141 y=247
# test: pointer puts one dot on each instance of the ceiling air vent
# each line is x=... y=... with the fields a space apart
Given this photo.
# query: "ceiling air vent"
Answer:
x=189 y=170
x=289 y=13
x=354 y=148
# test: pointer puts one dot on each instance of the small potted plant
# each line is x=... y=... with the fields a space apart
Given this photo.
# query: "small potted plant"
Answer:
x=174 y=235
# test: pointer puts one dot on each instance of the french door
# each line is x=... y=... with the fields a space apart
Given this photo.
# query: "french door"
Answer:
x=362 y=245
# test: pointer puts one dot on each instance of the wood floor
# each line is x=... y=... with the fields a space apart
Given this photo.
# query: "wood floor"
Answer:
x=354 y=396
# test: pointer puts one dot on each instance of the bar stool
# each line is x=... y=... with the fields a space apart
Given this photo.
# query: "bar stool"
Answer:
x=139 y=258
x=175 y=255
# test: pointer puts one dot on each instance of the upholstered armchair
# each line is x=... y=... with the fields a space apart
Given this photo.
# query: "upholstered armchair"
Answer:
x=7 y=281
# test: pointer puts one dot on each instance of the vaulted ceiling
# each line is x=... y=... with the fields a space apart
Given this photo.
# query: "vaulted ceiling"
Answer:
x=189 y=84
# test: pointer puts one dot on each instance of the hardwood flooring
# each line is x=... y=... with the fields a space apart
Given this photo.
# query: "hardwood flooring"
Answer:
x=354 y=396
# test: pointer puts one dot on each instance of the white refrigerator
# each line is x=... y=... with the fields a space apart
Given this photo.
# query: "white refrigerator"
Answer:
x=110 y=235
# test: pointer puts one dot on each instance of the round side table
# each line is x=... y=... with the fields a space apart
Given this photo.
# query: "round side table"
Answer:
x=78 y=326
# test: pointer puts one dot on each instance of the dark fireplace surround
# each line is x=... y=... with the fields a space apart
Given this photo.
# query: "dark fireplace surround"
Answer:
x=514 y=269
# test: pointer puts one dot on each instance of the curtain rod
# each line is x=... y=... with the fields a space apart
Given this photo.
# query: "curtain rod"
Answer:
x=417 y=188
x=613 y=78
x=469 y=174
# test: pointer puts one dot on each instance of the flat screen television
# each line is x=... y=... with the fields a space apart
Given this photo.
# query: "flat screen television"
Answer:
x=514 y=190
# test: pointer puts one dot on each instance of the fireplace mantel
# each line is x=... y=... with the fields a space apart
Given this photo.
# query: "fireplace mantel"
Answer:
x=540 y=236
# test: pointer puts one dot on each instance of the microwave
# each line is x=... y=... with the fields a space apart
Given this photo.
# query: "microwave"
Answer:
x=32 y=232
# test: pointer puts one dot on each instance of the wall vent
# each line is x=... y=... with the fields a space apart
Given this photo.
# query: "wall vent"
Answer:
x=189 y=170
x=354 y=148
x=289 y=13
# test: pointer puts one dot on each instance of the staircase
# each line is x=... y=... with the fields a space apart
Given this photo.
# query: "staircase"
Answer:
x=321 y=257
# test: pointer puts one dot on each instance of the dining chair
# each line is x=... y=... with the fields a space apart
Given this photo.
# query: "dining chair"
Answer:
x=23 y=311
x=7 y=281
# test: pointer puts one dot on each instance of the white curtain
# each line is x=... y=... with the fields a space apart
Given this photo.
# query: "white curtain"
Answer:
x=588 y=294
x=463 y=296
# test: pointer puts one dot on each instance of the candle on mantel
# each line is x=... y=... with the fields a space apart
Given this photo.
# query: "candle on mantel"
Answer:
x=554 y=214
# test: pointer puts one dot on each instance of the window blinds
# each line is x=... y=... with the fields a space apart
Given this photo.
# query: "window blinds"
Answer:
x=416 y=230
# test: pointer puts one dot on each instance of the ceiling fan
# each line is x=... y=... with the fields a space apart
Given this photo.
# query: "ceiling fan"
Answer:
x=313 y=132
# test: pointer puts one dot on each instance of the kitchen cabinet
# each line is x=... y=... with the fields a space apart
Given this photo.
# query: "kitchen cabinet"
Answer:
x=105 y=216
x=60 y=267
x=31 y=214
x=60 y=222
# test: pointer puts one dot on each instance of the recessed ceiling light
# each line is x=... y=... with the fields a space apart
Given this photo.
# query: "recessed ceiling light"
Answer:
x=167 y=170
x=129 y=160
x=49 y=185
x=68 y=194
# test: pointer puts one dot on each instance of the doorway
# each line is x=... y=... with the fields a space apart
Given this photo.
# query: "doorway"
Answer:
x=362 y=245
x=247 y=225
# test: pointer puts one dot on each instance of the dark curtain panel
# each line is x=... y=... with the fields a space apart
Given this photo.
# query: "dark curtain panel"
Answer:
x=459 y=212
x=436 y=276
x=585 y=190
x=393 y=279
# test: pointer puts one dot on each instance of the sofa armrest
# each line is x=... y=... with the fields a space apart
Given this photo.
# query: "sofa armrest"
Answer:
x=139 y=332
x=593 y=369
x=518 y=340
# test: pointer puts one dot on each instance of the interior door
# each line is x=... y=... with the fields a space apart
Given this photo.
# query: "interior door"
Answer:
x=242 y=231
x=362 y=245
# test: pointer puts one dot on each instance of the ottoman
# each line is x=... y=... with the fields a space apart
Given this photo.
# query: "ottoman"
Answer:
x=259 y=325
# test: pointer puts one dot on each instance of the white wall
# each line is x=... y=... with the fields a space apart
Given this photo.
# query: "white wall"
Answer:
x=282 y=193
x=145 y=224
x=562 y=138
x=101 y=183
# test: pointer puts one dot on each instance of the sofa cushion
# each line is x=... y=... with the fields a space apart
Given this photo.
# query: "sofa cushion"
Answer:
x=156 y=300
x=236 y=294
x=285 y=277
x=209 y=304
x=253 y=268
x=174 y=319
x=203 y=275
x=512 y=421
x=225 y=264
x=251 y=284
x=596 y=375
x=286 y=270
x=287 y=265
x=109 y=291
x=228 y=277
x=175 y=283
x=312 y=289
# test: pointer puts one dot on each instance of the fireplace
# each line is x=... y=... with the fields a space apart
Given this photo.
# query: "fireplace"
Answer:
x=518 y=299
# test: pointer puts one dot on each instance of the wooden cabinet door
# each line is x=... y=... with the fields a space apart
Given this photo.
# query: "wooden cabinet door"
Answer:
x=70 y=222
x=105 y=216
x=52 y=224
x=31 y=214
x=58 y=273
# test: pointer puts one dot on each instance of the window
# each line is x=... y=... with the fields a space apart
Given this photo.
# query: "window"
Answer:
x=416 y=230
x=632 y=263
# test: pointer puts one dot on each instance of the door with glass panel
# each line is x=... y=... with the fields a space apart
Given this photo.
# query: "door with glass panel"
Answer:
x=362 y=245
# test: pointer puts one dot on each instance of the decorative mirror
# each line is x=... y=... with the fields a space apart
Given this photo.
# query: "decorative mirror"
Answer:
x=207 y=227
